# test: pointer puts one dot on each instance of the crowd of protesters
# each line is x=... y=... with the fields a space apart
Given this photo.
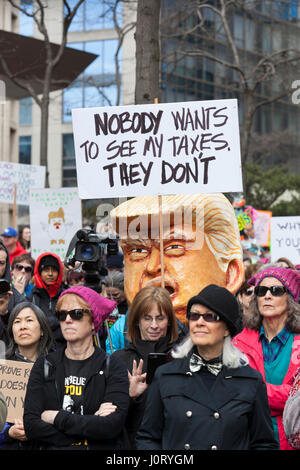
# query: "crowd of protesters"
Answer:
x=231 y=374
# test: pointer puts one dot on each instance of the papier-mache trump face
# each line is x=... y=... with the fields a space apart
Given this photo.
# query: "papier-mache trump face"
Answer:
x=201 y=245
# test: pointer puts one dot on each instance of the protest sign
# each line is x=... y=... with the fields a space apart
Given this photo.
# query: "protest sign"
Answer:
x=285 y=238
x=157 y=149
x=14 y=377
x=262 y=227
x=55 y=217
x=22 y=178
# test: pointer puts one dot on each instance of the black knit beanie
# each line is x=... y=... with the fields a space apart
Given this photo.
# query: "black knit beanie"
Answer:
x=48 y=260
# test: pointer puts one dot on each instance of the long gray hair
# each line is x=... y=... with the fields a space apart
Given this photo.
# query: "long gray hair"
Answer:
x=232 y=357
x=253 y=319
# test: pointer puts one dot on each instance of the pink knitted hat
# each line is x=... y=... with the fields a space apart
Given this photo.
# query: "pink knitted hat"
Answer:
x=288 y=277
x=101 y=307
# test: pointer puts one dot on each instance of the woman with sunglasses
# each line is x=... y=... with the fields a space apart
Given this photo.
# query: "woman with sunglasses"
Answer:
x=271 y=337
x=207 y=397
x=75 y=399
x=29 y=337
x=22 y=269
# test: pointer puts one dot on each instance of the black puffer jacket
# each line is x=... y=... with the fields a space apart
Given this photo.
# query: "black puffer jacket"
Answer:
x=45 y=391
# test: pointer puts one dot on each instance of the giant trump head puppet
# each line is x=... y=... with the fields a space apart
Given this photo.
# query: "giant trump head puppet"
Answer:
x=200 y=245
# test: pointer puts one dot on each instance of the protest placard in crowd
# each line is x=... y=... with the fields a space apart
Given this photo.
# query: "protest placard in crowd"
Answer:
x=285 y=238
x=14 y=376
x=22 y=178
x=159 y=149
x=55 y=216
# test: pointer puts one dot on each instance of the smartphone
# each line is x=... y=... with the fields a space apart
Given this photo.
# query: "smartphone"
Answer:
x=154 y=361
x=4 y=287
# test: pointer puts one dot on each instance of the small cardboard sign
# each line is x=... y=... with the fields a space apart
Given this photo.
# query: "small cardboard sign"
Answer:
x=14 y=377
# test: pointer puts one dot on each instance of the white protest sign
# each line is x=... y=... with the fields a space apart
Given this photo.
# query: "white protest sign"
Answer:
x=55 y=217
x=24 y=177
x=285 y=238
x=159 y=149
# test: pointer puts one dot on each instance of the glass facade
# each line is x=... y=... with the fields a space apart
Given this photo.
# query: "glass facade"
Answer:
x=25 y=22
x=259 y=32
x=25 y=111
x=96 y=86
x=95 y=14
x=69 y=176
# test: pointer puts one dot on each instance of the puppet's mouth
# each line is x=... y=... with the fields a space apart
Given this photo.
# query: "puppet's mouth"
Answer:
x=170 y=284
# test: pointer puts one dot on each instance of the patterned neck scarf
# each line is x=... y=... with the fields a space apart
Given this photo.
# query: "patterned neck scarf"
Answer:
x=196 y=363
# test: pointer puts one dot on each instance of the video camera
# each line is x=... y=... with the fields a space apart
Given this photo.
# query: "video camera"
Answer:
x=92 y=250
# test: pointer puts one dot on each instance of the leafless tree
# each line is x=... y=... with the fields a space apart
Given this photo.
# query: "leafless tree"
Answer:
x=52 y=59
x=147 y=87
x=259 y=78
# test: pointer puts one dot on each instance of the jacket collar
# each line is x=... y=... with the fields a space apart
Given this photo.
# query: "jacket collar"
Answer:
x=222 y=392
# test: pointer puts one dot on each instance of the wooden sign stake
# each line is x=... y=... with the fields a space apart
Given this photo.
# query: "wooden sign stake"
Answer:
x=161 y=243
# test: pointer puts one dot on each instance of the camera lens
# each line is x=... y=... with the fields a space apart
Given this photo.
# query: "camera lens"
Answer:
x=87 y=252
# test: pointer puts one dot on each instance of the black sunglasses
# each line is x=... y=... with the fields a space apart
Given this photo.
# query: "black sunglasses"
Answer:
x=75 y=314
x=27 y=269
x=276 y=291
x=208 y=317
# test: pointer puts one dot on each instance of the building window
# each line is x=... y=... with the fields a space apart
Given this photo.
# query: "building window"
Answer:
x=69 y=175
x=25 y=111
x=26 y=22
x=96 y=86
x=25 y=149
x=94 y=14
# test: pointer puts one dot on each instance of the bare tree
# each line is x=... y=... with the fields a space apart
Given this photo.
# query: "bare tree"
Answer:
x=147 y=52
x=52 y=59
x=113 y=9
x=197 y=26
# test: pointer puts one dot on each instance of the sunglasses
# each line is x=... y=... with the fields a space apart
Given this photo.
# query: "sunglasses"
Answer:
x=208 y=317
x=75 y=314
x=27 y=269
x=276 y=291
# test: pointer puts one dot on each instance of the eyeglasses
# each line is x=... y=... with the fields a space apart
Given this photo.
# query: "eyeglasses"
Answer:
x=160 y=319
x=75 y=314
x=27 y=269
x=276 y=291
x=208 y=317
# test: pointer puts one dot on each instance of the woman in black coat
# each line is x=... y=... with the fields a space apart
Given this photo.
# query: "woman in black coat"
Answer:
x=151 y=328
x=75 y=399
x=208 y=397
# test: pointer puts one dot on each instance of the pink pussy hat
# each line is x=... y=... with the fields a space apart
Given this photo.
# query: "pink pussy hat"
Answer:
x=290 y=278
x=101 y=307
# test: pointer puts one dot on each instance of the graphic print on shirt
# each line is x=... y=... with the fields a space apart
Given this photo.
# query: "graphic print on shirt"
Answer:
x=73 y=394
